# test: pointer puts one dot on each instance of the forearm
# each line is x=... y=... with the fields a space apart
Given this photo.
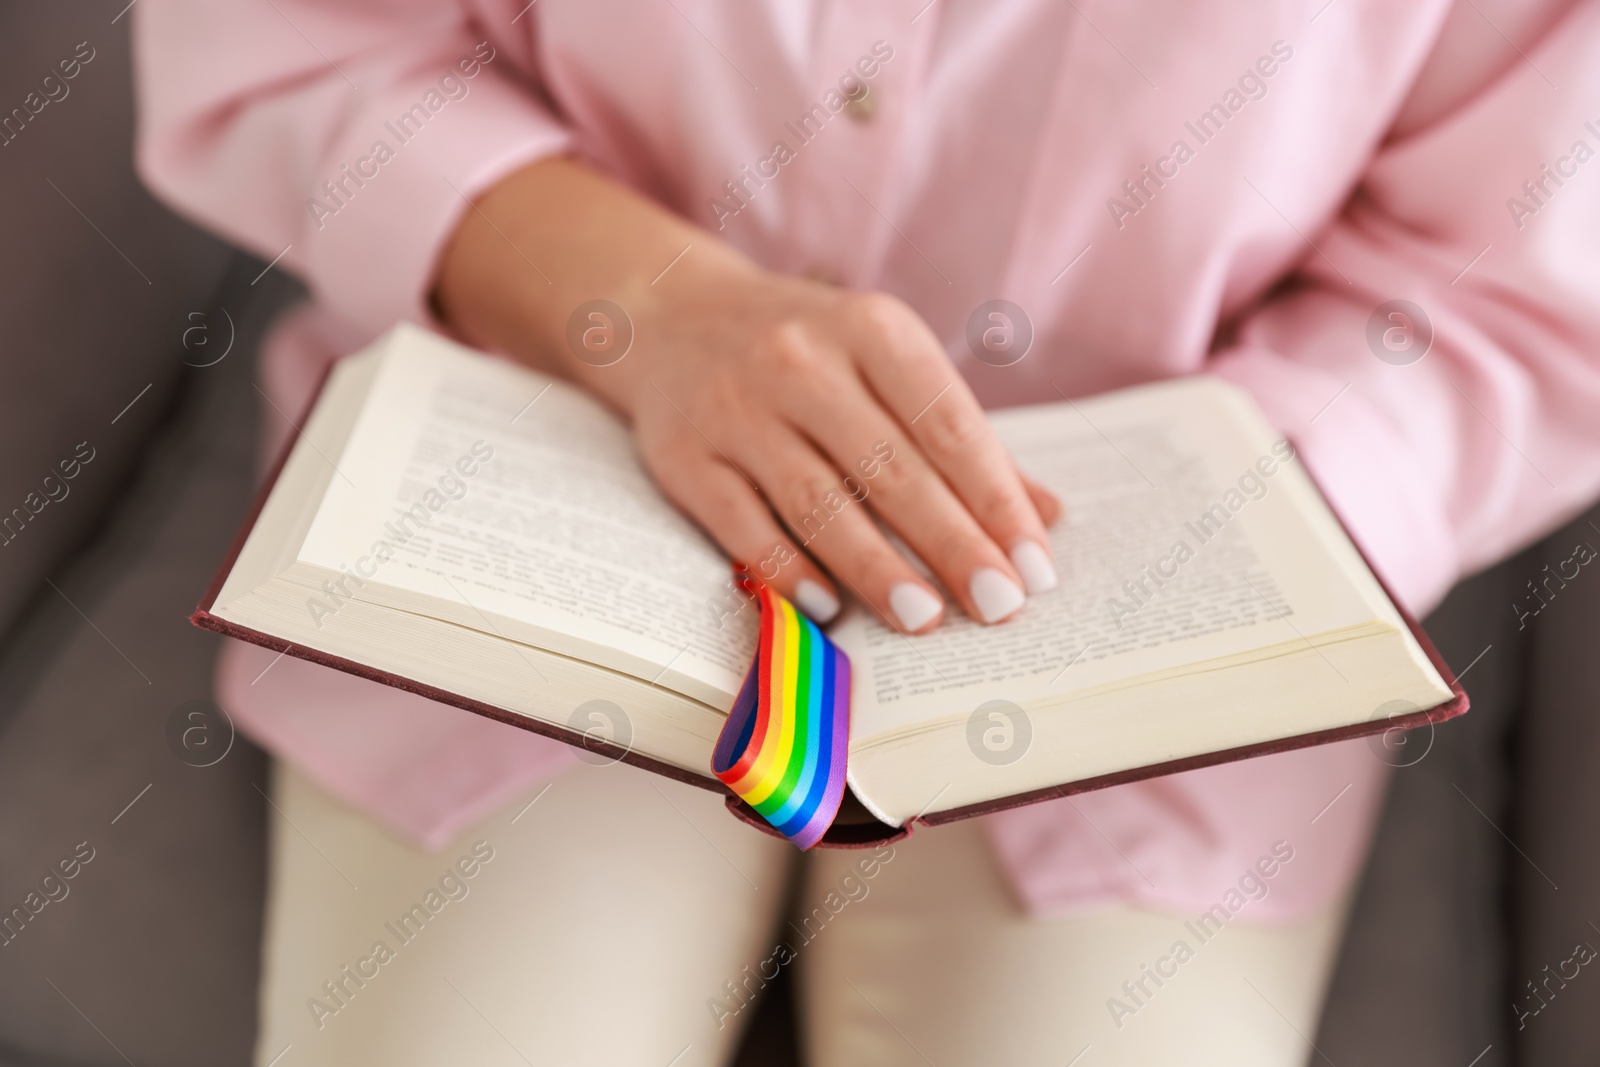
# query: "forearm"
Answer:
x=557 y=234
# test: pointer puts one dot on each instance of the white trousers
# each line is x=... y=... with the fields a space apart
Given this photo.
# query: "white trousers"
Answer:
x=625 y=919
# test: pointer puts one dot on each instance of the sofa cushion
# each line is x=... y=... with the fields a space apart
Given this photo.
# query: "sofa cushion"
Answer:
x=97 y=283
x=115 y=766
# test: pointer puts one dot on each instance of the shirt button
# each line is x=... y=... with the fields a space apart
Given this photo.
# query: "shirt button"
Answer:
x=862 y=108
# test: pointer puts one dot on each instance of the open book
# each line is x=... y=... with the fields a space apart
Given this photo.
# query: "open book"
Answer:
x=473 y=531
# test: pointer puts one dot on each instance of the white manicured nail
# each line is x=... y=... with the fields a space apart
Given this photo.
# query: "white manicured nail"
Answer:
x=995 y=595
x=914 y=606
x=1033 y=563
x=816 y=602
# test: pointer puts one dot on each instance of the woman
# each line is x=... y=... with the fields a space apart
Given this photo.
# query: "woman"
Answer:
x=805 y=209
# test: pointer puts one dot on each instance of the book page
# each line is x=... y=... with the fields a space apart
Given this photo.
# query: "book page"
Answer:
x=1165 y=560
x=516 y=505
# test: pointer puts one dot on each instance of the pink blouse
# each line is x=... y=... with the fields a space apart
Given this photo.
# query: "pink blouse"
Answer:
x=1162 y=188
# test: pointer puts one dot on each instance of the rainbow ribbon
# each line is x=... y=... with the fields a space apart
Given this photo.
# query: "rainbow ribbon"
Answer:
x=782 y=750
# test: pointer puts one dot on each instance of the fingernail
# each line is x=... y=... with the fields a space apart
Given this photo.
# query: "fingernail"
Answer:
x=995 y=595
x=1033 y=563
x=818 y=604
x=914 y=606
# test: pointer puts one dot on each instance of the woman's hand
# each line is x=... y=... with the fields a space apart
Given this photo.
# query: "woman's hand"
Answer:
x=755 y=394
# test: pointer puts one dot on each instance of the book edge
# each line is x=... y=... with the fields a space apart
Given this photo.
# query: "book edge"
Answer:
x=205 y=620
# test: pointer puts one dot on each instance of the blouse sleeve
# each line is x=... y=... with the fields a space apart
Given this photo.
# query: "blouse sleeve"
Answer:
x=1437 y=359
x=345 y=136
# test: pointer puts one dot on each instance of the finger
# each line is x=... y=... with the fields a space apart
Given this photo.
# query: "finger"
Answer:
x=904 y=365
x=1046 y=503
x=729 y=508
x=826 y=519
x=899 y=485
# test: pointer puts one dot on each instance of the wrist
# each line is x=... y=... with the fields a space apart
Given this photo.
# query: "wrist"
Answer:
x=670 y=304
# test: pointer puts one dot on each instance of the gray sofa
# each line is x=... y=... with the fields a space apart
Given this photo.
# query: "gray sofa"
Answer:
x=149 y=949
x=114 y=766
